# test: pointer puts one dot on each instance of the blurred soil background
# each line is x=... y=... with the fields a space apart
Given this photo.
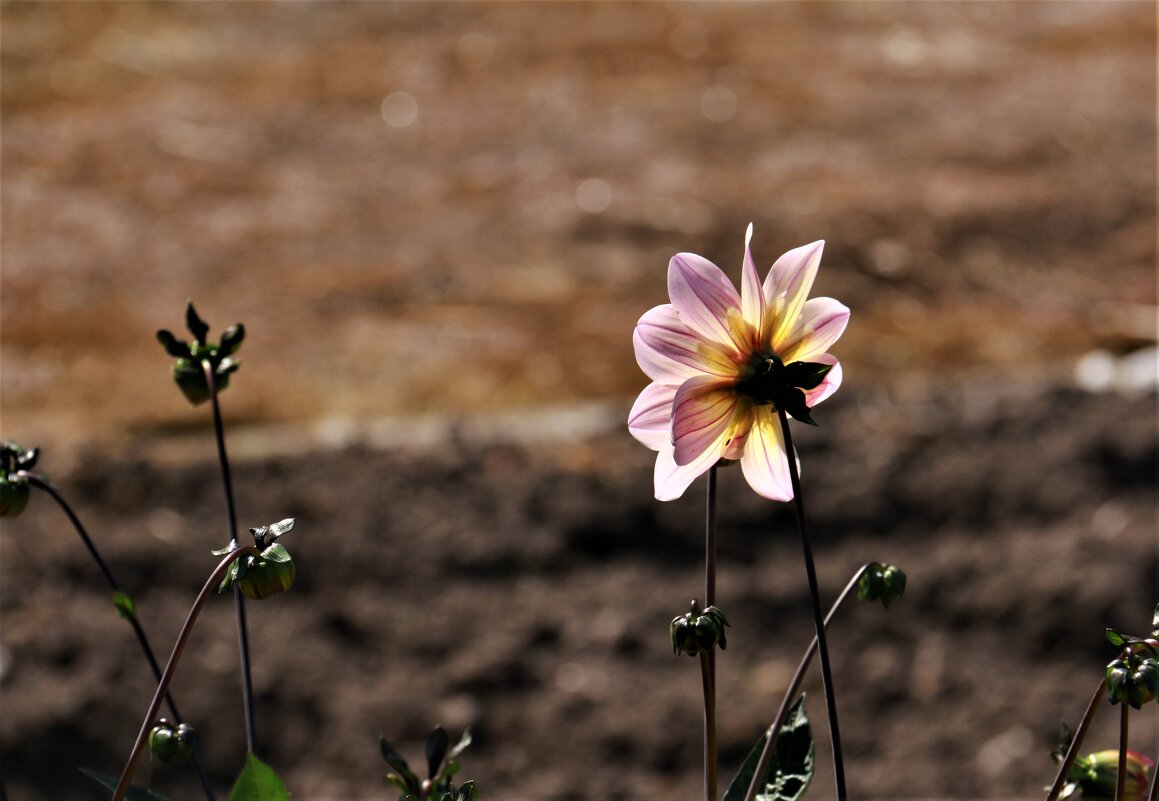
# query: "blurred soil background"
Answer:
x=439 y=223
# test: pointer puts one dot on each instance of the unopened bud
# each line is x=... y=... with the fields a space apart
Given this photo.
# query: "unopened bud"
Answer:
x=885 y=583
x=170 y=744
x=14 y=494
x=1096 y=775
x=1134 y=681
x=695 y=632
x=269 y=573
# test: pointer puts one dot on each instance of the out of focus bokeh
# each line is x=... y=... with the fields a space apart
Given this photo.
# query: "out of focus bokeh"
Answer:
x=439 y=223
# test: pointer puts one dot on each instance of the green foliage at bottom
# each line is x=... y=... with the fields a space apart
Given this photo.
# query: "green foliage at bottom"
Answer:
x=791 y=767
x=134 y=793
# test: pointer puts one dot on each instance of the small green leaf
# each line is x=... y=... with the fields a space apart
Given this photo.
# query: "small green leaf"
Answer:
x=195 y=324
x=134 y=794
x=437 y=743
x=468 y=791
x=231 y=340
x=1115 y=637
x=396 y=761
x=124 y=605
x=173 y=346
x=258 y=782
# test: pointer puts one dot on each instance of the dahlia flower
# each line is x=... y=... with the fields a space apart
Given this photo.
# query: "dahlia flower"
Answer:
x=722 y=363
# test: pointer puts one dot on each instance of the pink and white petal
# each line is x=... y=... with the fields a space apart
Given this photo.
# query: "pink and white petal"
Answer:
x=703 y=295
x=822 y=322
x=669 y=353
x=787 y=286
x=703 y=411
x=650 y=420
x=670 y=479
x=752 y=296
x=742 y=425
x=764 y=463
x=827 y=387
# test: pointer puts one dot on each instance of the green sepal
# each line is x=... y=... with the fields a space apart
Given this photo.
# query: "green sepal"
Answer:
x=437 y=744
x=409 y=781
x=1115 y=638
x=134 y=793
x=468 y=791
x=461 y=746
x=198 y=327
x=231 y=340
x=14 y=494
x=124 y=605
x=258 y=782
x=173 y=346
x=806 y=375
x=791 y=767
x=792 y=400
x=1155 y=622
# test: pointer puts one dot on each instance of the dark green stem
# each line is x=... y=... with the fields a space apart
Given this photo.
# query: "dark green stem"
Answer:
x=40 y=483
x=818 y=620
x=171 y=666
x=1077 y=742
x=708 y=658
x=1121 y=779
x=790 y=693
x=247 y=688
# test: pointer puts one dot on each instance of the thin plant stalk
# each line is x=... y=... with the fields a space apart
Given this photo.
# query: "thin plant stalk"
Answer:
x=791 y=692
x=819 y=622
x=171 y=666
x=40 y=483
x=1077 y=742
x=708 y=658
x=1121 y=779
x=247 y=690
x=1153 y=793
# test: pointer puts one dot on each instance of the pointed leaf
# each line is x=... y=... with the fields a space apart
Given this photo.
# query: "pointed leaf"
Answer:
x=195 y=324
x=231 y=340
x=134 y=794
x=1115 y=638
x=258 y=782
x=791 y=767
x=396 y=761
x=124 y=605
x=461 y=746
x=1155 y=622
x=468 y=792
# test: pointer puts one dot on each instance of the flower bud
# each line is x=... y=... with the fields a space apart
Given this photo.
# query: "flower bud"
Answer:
x=695 y=632
x=1132 y=680
x=1096 y=775
x=14 y=494
x=269 y=573
x=885 y=583
x=172 y=745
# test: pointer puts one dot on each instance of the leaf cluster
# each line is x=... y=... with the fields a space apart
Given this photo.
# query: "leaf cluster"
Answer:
x=442 y=765
x=188 y=371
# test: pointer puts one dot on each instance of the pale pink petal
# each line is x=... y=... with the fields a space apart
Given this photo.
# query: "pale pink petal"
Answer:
x=752 y=296
x=670 y=479
x=650 y=420
x=670 y=353
x=764 y=464
x=703 y=411
x=786 y=288
x=829 y=385
x=734 y=448
x=822 y=322
x=703 y=295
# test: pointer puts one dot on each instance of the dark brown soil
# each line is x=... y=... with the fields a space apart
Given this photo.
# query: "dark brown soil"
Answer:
x=439 y=365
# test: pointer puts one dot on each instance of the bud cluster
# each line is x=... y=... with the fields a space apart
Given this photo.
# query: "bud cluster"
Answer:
x=1134 y=676
x=885 y=583
x=698 y=631
x=189 y=372
x=14 y=489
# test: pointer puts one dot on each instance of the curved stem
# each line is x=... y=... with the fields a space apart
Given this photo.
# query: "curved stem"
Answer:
x=1121 y=779
x=247 y=688
x=708 y=658
x=790 y=692
x=39 y=482
x=171 y=666
x=819 y=623
x=1076 y=743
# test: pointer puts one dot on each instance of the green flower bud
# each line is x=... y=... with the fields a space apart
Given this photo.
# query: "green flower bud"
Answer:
x=1096 y=775
x=1134 y=681
x=269 y=573
x=14 y=494
x=188 y=372
x=172 y=745
x=885 y=583
x=695 y=631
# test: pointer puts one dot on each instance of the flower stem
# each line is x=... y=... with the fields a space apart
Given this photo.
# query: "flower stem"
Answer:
x=795 y=684
x=1121 y=779
x=247 y=689
x=1077 y=742
x=40 y=483
x=819 y=623
x=708 y=658
x=171 y=666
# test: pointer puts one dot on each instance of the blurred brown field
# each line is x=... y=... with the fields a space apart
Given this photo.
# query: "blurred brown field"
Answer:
x=442 y=220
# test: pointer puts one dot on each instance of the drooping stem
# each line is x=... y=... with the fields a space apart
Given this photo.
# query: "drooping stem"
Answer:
x=171 y=666
x=708 y=658
x=1121 y=779
x=791 y=692
x=1076 y=743
x=247 y=689
x=40 y=483
x=819 y=622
